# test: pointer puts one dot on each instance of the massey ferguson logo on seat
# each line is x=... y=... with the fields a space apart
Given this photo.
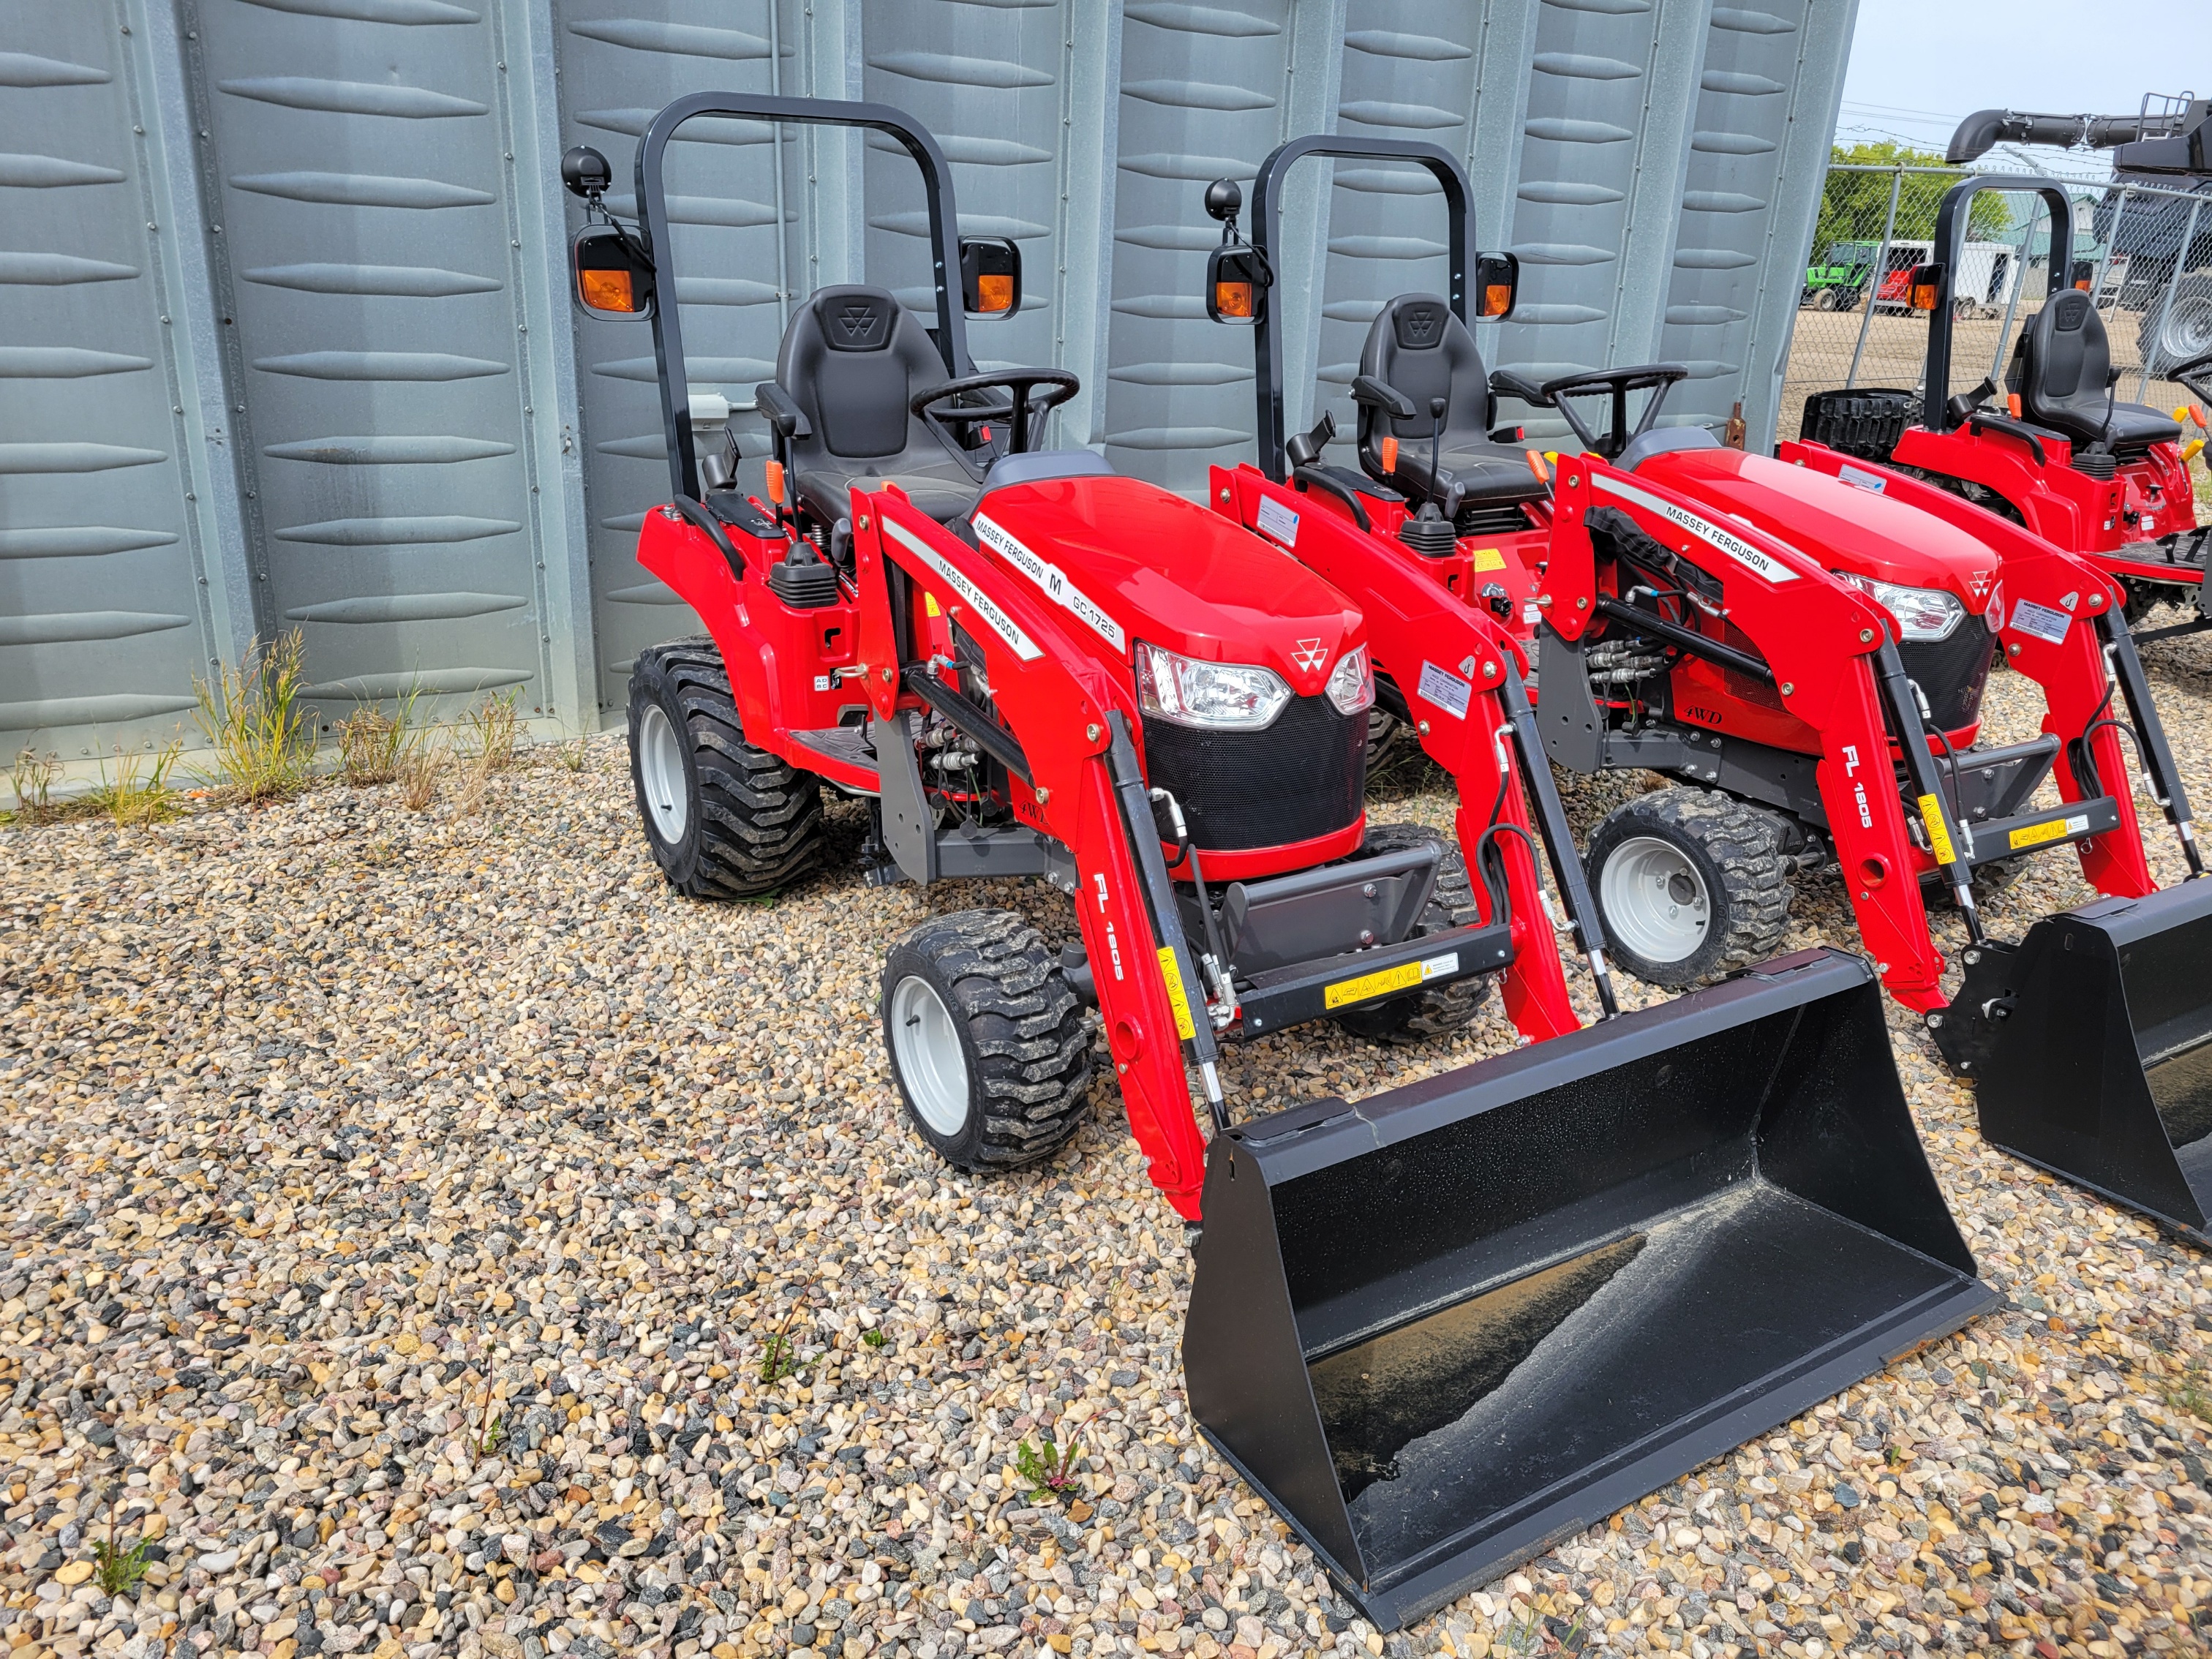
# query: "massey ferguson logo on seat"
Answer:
x=1421 y=324
x=1310 y=654
x=859 y=323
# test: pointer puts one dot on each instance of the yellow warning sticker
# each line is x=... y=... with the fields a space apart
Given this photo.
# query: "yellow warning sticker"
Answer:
x=929 y=603
x=2035 y=835
x=1489 y=558
x=1346 y=990
x=1172 y=975
x=1939 y=833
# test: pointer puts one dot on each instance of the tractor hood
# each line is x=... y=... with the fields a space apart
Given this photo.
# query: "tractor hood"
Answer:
x=1844 y=526
x=1169 y=573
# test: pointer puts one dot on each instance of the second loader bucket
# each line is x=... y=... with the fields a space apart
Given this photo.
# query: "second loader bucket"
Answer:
x=2090 y=1044
x=1443 y=1326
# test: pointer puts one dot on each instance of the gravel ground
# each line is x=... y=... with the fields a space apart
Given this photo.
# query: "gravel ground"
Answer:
x=405 y=1211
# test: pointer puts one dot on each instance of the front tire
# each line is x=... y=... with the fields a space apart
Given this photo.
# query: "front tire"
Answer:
x=988 y=1042
x=1434 y=1010
x=1690 y=885
x=725 y=820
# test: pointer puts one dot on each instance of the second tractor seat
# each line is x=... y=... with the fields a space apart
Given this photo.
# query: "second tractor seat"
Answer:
x=851 y=359
x=1418 y=348
x=2063 y=371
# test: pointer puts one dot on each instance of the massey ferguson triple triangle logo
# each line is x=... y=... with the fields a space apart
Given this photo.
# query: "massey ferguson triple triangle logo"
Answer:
x=857 y=321
x=1420 y=325
x=1310 y=654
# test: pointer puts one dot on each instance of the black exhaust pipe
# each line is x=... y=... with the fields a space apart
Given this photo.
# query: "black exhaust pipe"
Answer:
x=1442 y=1328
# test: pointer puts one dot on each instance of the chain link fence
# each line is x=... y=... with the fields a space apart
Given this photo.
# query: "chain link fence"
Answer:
x=2145 y=251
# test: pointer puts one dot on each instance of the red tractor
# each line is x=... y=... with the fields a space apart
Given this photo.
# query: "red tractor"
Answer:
x=1027 y=666
x=2050 y=446
x=1801 y=644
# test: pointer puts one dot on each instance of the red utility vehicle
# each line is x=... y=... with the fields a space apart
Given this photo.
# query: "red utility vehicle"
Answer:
x=1027 y=666
x=1801 y=642
x=2051 y=446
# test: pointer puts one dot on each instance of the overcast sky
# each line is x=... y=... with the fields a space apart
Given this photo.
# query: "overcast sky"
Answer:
x=1919 y=67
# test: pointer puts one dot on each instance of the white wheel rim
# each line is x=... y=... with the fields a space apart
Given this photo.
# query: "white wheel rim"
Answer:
x=926 y=1045
x=2188 y=328
x=661 y=769
x=1655 y=903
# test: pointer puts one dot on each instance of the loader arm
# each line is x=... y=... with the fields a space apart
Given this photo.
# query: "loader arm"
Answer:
x=1451 y=663
x=1062 y=707
x=1824 y=643
x=2064 y=649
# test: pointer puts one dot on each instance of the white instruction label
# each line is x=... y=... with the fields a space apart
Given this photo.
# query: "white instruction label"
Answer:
x=1751 y=558
x=1445 y=690
x=1280 y=521
x=1437 y=967
x=2040 y=621
x=1052 y=580
x=1859 y=478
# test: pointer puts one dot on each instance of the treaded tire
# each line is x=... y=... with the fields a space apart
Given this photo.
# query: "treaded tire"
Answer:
x=1433 y=1011
x=1737 y=852
x=750 y=822
x=1023 y=1036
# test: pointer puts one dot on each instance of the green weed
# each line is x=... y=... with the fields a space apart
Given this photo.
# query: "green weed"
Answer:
x=372 y=743
x=780 y=1361
x=875 y=1338
x=138 y=793
x=34 y=780
x=253 y=717
x=1050 y=1469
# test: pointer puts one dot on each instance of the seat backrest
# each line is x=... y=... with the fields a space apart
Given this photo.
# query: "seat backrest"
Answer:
x=1417 y=347
x=851 y=358
x=2063 y=365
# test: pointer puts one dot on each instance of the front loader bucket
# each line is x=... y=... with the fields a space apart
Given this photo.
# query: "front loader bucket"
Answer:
x=1445 y=1326
x=2095 y=1058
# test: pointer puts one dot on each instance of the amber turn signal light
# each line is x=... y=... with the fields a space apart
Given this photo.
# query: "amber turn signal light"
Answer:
x=995 y=295
x=1233 y=299
x=607 y=290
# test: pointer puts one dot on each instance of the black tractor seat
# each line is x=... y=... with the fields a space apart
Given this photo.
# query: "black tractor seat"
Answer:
x=1417 y=348
x=851 y=359
x=2063 y=370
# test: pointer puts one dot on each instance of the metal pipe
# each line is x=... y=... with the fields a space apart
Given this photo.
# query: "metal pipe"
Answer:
x=1876 y=277
x=2012 y=299
x=2165 y=306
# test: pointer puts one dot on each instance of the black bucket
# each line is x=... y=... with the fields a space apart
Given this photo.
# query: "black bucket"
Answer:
x=2090 y=1043
x=1441 y=1328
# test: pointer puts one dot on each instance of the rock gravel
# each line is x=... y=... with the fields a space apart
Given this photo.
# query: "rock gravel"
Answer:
x=431 y=1236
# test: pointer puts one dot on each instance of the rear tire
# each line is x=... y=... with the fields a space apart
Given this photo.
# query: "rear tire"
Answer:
x=1433 y=1011
x=725 y=820
x=1691 y=885
x=988 y=1042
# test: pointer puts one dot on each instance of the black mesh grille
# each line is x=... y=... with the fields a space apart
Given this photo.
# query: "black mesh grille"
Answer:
x=1865 y=423
x=1952 y=672
x=1302 y=777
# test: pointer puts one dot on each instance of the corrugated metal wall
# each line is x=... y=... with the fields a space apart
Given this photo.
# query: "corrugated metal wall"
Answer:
x=284 y=331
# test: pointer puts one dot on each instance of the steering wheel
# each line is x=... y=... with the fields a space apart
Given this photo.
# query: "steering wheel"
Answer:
x=1027 y=402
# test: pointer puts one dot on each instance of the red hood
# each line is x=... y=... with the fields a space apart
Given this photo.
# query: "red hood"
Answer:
x=1841 y=525
x=1172 y=573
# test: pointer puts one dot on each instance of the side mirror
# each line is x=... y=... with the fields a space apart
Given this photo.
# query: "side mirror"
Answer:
x=1235 y=281
x=1497 y=284
x=990 y=277
x=612 y=279
x=1924 y=289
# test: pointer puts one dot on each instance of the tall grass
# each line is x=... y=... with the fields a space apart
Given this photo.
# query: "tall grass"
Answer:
x=138 y=793
x=33 y=779
x=262 y=733
x=372 y=745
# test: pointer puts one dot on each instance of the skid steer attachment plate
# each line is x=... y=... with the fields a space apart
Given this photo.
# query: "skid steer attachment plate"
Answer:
x=2091 y=1046
x=1445 y=1326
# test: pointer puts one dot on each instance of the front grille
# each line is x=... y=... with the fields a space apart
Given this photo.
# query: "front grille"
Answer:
x=1952 y=672
x=1302 y=777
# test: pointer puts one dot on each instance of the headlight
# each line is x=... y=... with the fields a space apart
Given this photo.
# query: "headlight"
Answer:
x=1352 y=686
x=1922 y=613
x=1216 y=695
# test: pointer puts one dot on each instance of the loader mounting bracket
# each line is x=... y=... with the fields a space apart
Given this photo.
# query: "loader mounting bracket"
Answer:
x=1968 y=1030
